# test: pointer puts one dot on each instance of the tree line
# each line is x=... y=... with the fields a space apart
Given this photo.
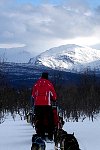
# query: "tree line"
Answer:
x=75 y=100
x=80 y=100
x=13 y=99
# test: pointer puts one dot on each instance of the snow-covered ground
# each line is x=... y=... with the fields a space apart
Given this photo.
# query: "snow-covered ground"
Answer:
x=86 y=132
x=17 y=135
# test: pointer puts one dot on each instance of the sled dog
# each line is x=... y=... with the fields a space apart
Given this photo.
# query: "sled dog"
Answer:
x=37 y=143
x=65 y=141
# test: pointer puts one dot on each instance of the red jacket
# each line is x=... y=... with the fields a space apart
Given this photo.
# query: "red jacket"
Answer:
x=43 y=91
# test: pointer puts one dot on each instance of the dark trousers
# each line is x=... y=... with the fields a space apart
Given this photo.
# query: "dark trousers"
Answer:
x=44 y=121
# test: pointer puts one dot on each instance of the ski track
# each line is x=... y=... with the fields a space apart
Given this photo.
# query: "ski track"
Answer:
x=17 y=135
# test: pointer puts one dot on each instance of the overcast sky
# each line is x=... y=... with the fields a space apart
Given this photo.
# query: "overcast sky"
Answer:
x=42 y=24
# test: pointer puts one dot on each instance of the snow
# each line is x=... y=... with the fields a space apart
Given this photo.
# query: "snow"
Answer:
x=69 y=56
x=17 y=134
x=86 y=132
x=15 y=55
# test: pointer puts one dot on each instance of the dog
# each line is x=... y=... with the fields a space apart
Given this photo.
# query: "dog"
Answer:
x=61 y=122
x=29 y=117
x=65 y=140
x=37 y=143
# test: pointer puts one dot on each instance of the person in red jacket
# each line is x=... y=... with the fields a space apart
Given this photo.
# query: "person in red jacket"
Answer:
x=43 y=93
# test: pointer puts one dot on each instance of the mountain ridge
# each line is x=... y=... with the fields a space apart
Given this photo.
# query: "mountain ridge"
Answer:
x=69 y=57
x=14 y=55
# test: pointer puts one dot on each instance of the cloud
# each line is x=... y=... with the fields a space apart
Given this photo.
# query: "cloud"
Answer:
x=44 y=26
x=14 y=45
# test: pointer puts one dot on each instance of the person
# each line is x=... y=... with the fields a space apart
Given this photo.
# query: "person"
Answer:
x=43 y=93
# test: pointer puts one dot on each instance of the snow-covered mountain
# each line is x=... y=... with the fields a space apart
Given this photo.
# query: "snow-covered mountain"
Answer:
x=69 y=57
x=16 y=55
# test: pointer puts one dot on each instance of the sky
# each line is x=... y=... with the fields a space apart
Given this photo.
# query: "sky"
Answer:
x=38 y=25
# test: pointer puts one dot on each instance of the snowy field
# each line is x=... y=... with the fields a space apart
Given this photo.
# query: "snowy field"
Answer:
x=17 y=135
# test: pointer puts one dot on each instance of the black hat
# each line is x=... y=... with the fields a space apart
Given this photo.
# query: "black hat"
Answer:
x=45 y=75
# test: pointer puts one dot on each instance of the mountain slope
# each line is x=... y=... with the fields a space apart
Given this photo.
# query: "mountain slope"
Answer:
x=16 y=55
x=70 y=58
